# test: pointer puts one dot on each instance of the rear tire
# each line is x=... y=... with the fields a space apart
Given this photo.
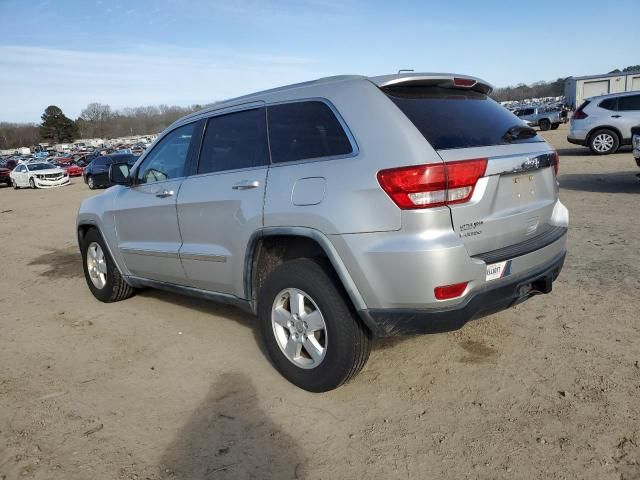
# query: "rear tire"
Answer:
x=342 y=343
x=111 y=288
x=544 y=125
x=604 y=142
x=554 y=126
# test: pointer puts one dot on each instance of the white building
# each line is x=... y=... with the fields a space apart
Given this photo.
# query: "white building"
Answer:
x=576 y=89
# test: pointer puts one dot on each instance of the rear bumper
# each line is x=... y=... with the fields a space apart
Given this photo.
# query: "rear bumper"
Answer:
x=576 y=141
x=491 y=298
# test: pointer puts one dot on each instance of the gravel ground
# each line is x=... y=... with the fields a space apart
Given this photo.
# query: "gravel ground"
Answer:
x=162 y=386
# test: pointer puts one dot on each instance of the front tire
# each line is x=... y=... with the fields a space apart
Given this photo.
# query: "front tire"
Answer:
x=604 y=142
x=310 y=331
x=101 y=273
x=544 y=125
x=14 y=184
x=32 y=182
x=555 y=126
x=91 y=182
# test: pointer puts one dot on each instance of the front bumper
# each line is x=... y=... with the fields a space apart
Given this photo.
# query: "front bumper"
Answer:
x=491 y=298
x=44 y=183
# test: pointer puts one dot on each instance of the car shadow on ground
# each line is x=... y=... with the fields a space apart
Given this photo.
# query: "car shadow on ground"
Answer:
x=619 y=182
x=209 y=307
x=230 y=436
x=584 y=151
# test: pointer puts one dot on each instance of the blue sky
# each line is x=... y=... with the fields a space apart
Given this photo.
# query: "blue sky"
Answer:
x=71 y=52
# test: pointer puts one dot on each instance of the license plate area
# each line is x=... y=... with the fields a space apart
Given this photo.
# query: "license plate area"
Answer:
x=498 y=270
x=523 y=189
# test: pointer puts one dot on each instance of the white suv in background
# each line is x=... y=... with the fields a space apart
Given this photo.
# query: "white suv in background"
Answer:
x=604 y=123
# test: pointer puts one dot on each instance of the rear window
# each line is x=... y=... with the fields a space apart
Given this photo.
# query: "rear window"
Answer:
x=304 y=130
x=450 y=118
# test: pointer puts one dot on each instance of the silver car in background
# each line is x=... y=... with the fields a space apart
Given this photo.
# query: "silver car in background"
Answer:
x=337 y=210
x=635 y=142
x=604 y=123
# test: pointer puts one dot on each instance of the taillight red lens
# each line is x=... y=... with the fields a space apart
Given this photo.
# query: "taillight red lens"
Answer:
x=556 y=162
x=434 y=185
x=579 y=115
x=450 y=291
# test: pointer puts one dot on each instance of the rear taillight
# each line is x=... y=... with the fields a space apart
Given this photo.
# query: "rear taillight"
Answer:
x=556 y=162
x=434 y=185
x=579 y=113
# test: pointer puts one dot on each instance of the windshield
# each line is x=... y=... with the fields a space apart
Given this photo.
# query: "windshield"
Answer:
x=455 y=118
x=40 y=166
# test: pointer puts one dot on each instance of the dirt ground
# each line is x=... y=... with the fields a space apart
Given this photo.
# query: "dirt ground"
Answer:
x=162 y=386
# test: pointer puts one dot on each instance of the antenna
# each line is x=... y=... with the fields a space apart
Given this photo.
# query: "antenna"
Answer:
x=405 y=70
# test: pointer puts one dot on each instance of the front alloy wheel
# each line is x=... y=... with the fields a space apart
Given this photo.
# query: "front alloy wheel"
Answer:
x=96 y=265
x=299 y=328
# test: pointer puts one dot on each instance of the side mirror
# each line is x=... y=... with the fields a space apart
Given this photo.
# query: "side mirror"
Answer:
x=119 y=174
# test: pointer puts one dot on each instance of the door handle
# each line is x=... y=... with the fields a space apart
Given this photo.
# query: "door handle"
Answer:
x=246 y=185
x=164 y=193
x=616 y=116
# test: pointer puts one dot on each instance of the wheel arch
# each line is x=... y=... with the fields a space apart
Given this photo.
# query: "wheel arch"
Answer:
x=604 y=127
x=304 y=242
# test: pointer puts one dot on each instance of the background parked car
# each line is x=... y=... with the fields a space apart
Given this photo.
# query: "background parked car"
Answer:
x=542 y=117
x=38 y=175
x=96 y=174
x=635 y=141
x=5 y=175
x=604 y=123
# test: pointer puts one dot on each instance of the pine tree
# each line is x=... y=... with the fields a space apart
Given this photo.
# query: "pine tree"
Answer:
x=56 y=126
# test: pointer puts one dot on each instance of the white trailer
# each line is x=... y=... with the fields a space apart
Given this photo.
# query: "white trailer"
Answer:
x=576 y=89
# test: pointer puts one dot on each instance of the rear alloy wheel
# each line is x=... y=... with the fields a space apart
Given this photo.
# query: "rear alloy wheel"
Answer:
x=102 y=275
x=32 y=182
x=310 y=331
x=604 y=142
x=544 y=125
x=91 y=182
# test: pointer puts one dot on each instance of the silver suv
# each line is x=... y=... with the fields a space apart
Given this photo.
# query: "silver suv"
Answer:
x=604 y=123
x=337 y=210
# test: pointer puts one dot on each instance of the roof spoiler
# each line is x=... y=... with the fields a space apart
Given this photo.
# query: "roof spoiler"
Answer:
x=444 y=80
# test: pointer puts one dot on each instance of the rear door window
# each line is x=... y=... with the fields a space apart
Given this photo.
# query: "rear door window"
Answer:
x=629 y=103
x=456 y=118
x=305 y=130
x=235 y=140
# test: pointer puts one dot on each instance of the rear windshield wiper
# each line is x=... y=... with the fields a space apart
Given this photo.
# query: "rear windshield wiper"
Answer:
x=519 y=132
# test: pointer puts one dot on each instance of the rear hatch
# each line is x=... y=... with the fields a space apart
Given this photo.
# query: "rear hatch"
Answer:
x=514 y=198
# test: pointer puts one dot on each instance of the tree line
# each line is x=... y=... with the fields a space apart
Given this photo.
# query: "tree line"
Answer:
x=95 y=121
x=541 y=89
